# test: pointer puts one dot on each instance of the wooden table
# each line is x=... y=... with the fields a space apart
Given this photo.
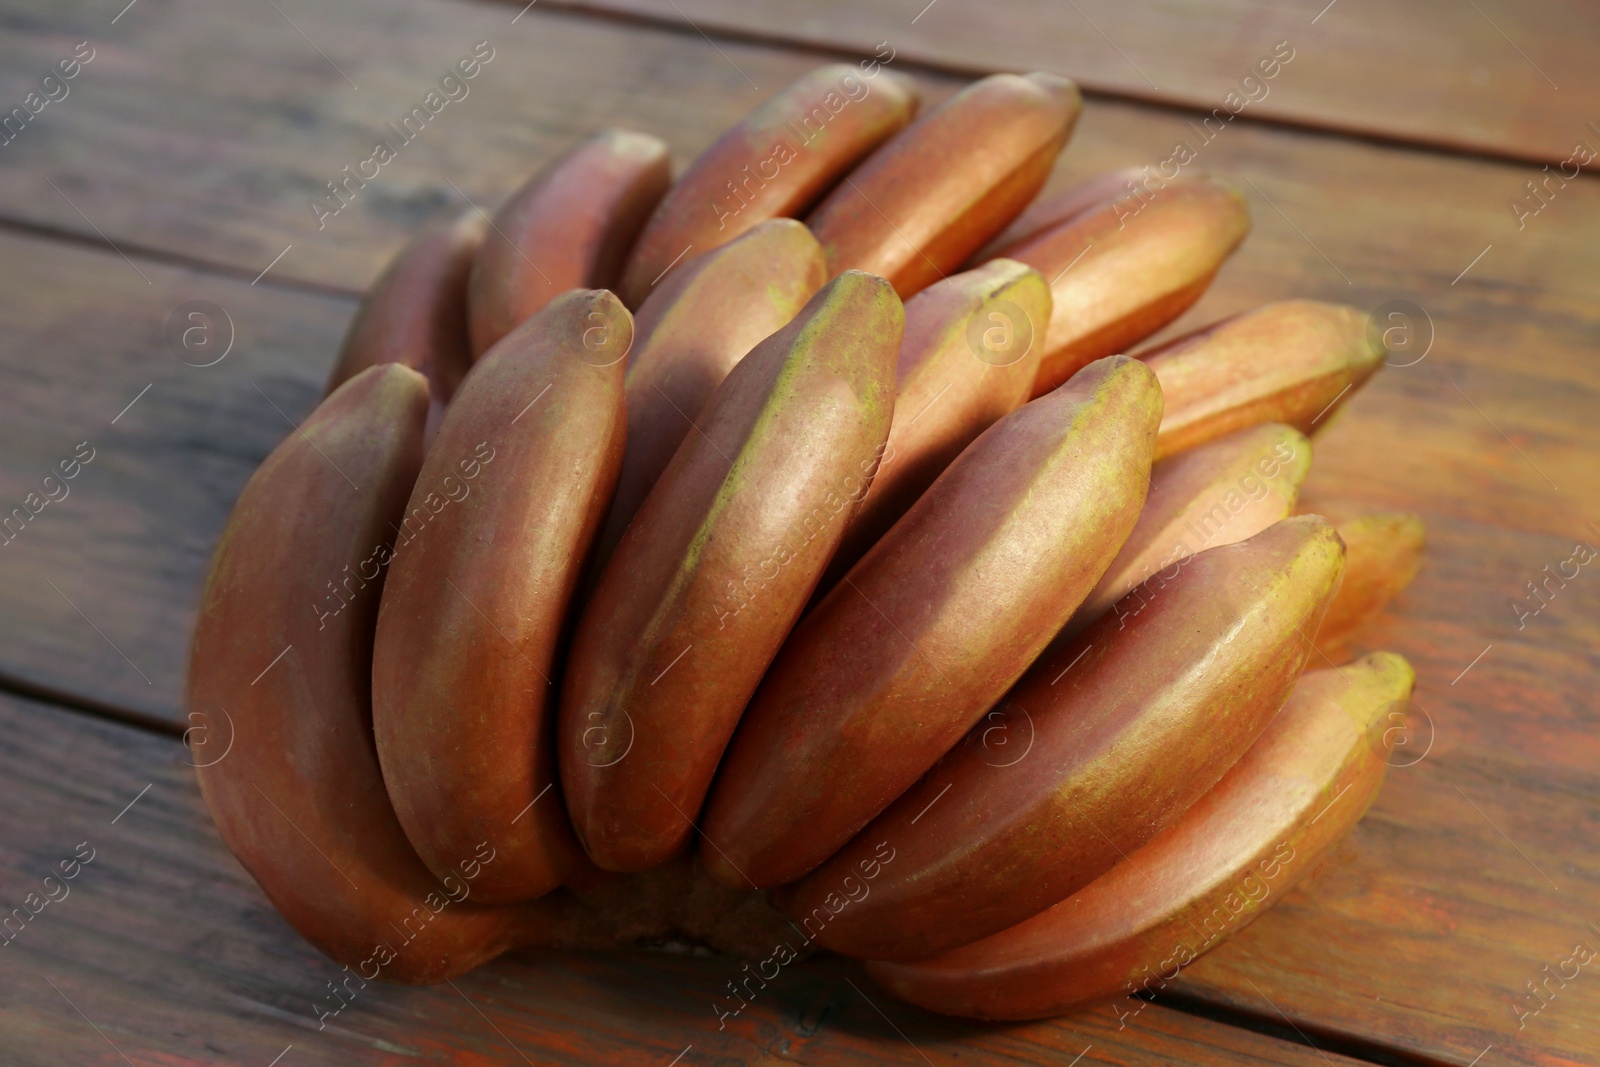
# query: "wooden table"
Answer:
x=1382 y=165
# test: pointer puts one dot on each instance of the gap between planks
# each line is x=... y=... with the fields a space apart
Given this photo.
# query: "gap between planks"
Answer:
x=712 y=32
x=179 y=260
x=1283 y=1029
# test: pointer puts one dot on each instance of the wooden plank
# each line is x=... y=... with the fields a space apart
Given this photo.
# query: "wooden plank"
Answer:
x=1468 y=436
x=99 y=587
x=214 y=129
x=231 y=182
x=162 y=950
x=1501 y=79
x=1369 y=223
x=1477 y=867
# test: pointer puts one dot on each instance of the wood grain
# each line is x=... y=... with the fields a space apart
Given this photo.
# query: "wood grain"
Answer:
x=1508 y=80
x=165 y=946
x=100 y=587
x=214 y=130
x=1334 y=218
x=1478 y=865
x=211 y=128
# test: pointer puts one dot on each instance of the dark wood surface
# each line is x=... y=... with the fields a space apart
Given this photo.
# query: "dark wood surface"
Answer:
x=193 y=140
x=100 y=587
x=1478 y=865
x=1496 y=78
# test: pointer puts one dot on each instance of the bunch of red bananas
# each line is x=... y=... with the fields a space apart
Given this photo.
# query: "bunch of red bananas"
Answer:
x=779 y=613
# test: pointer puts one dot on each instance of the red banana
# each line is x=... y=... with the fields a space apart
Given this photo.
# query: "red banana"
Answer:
x=920 y=206
x=689 y=334
x=1218 y=494
x=415 y=314
x=1242 y=846
x=486 y=560
x=971 y=345
x=1384 y=553
x=1290 y=362
x=774 y=162
x=933 y=625
x=568 y=227
x=1116 y=277
x=1050 y=211
x=715 y=569
x=279 y=680
x=1130 y=724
